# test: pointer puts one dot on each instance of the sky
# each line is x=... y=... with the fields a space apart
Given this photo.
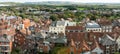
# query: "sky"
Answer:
x=82 y=1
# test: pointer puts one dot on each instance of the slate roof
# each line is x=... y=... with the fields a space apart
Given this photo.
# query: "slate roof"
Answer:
x=53 y=23
x=107 y=40
x=116 y=23
x=92 y=25
x=96 y=48
x=58 y=40
x=61 y=23
x=11 y=17
x=74 y=28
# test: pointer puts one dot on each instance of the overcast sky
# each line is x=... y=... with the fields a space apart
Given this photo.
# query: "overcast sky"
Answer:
x=83 y=1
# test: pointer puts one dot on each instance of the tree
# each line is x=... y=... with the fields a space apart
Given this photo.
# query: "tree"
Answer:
x=54 y=17
x=23 y=15
x=117 y=53
x=36 y=19
x=72 y=8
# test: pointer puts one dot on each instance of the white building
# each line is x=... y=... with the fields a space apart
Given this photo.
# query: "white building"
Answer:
x=93 y=26
x=59 y=26
x=105 y=24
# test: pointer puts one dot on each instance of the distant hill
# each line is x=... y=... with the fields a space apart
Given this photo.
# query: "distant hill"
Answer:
x=60 y=3
x=52 y=3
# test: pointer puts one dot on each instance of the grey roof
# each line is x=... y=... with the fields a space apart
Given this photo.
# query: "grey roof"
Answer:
x=59 y=23
x=58 y=40
x=98 y=50
x=11 y=17
x=116 y=23
x=32 y=36
x=92 y=25
x=53 y=23
x=107 y=40
x=62 y=23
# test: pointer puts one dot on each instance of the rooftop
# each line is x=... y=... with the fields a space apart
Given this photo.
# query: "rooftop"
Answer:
x=92 y=25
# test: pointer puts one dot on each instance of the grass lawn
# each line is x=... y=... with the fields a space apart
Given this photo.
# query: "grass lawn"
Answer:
x=80 y=8
x=60 y=50
x=63 y=50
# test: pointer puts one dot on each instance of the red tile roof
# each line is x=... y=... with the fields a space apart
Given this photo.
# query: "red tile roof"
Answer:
x=104 y=22
x=75 y=36
x=74 y=28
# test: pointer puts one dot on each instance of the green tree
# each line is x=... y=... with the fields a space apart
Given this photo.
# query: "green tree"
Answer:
x=54 y=17
x=23 y=15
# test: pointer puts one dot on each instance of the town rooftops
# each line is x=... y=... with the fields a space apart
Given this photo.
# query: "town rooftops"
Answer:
x=92 y=25
x=74 y=27
x=62 y=23
x=59 y=23
x=53 y=23
x=11 y=17
x=107 y=40
x=58 y=40
x=5 y=38
x=116 y=22
x=104 y=21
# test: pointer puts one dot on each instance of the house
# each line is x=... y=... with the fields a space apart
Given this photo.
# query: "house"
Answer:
x=109 y=43
x=19 y=39
x=80 y=47
x=26 y=23
x=37 y=42
x=105 y=24
x=116 y=22
x=76 y=38
x=57 y=39
x=97 y=49
x=118 y=44
x=44 y=48
x=93 y=26
x=58 y=27
x=74 y=29
x=6 y=28
x=71 y=24
x=6 y=44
